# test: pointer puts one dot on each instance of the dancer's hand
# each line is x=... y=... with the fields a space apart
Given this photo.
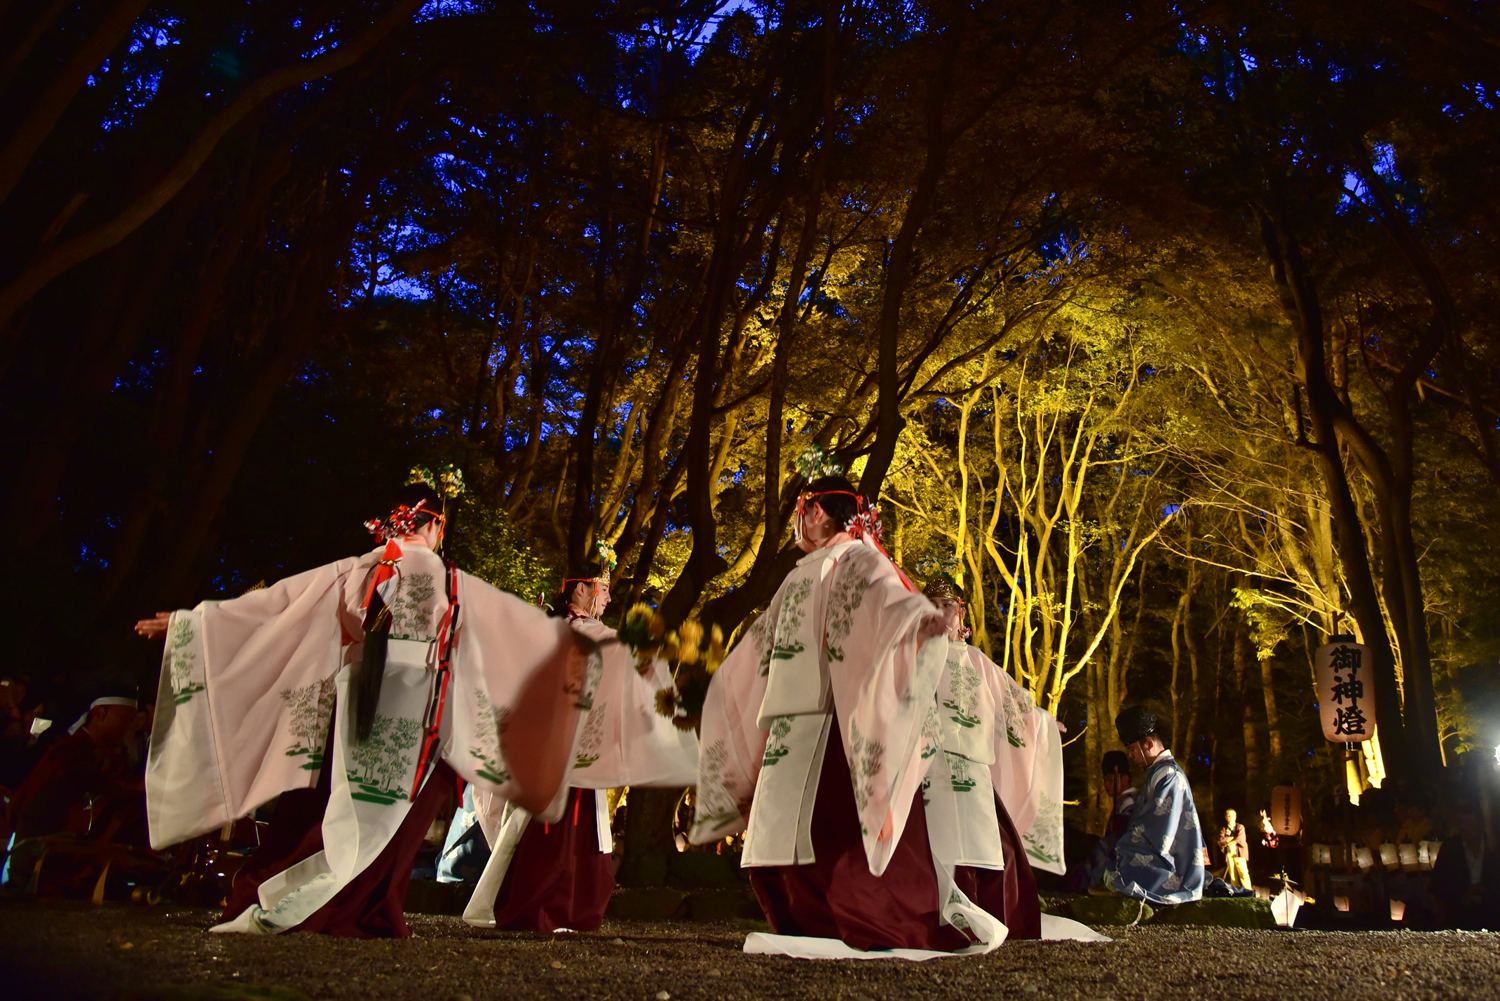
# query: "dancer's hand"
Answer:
x=153 y=628
x=934 y=625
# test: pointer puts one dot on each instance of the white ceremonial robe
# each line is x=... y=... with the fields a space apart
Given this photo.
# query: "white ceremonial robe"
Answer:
x=839 y=637
x=250 y=686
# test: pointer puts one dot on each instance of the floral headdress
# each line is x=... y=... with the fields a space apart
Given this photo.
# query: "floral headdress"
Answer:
x=816 y=463
x=401 y=522
x=941 y=584
x=607 y=563
x=447 y=481
x=607 y=559
x=942 y=578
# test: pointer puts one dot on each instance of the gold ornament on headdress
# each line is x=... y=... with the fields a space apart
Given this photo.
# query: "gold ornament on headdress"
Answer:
x=942 y=586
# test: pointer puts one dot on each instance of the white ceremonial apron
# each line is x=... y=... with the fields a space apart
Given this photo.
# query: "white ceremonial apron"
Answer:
x=962 y=825
x=798 y=710
x=371 y=789
x=959 y=791
x=780 y=827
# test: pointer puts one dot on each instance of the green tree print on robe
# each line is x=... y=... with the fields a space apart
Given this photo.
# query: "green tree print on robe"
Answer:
x=385 y=769
x=411 y=611
x=760 y=636
x=489 y=722
x=716 y=807
x=932 y=733
x=310 y=709
x=1017 y=708
x=789 y=622
x=963 y=702
x=181 y=659
x=592 y=736
x=1048 y=818
x=776 y=748
x=865 y=760
x=843 y=601
x=958 y=773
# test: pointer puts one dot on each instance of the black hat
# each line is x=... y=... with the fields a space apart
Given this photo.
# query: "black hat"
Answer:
x=1135 y=723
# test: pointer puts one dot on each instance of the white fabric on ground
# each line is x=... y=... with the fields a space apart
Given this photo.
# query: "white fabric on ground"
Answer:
x=1054 y=929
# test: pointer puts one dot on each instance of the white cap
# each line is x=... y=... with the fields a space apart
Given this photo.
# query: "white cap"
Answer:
x=108 y=700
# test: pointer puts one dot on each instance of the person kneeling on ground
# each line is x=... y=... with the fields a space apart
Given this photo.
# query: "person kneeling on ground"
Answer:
x=1159 y=857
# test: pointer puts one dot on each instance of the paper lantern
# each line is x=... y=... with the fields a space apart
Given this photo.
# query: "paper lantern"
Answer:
x=1286 y=810
x=1427 y=854
x=1398 y=910
x=1364 y=858
x=1409 y=860
x=1341 y=903
x=1322 y=855
x=1346 y=691
x=1389 y=857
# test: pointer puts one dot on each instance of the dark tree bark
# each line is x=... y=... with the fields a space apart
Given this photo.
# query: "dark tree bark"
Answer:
x=42 y=116
x=1299 y=299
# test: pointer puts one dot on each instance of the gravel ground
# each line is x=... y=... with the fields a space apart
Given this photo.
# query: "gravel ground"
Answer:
x=132 y=954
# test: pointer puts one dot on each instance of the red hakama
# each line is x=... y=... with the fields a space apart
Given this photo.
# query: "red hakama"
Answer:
x=837 y=897
x=558 y=878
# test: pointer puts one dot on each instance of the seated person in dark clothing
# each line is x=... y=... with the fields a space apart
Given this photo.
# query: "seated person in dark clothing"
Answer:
x=1466 y=877
x=83 y=780
x=1116 y=765
x=16 y=738
x=1116 y=768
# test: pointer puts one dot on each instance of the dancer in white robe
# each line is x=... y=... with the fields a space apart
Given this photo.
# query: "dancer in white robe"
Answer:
x=817 y=734
x=541 y=876
x=473 y=681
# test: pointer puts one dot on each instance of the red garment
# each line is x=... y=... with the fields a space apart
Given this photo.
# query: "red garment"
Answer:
x=373 y=904
x=1009 y=894
x=559 y=878
x=55 y=796
x=837 y=897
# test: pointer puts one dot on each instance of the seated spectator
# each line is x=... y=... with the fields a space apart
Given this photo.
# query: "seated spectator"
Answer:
x=82 y=780
x=1116 y=768
x=1466 y=878
x=1159 y=857
x=17 y=741
x=465 y=850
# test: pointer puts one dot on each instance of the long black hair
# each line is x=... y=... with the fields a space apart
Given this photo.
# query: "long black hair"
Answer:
x=364 y=688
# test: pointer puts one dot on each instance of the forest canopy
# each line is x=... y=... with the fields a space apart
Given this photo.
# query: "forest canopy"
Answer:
x=1167 y=329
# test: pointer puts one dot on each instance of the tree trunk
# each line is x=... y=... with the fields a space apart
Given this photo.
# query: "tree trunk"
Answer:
x=1273 y=718
x=1301 y=306
x=43 y=115
x=1242 y=700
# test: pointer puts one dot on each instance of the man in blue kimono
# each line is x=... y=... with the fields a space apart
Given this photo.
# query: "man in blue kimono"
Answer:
x=1159 y=857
